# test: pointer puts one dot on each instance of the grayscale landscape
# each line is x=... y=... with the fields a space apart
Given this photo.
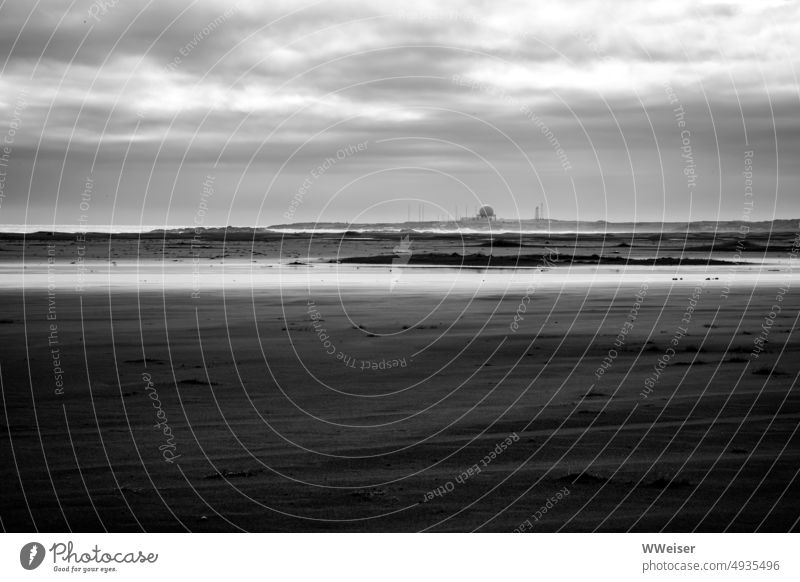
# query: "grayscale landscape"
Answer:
x=343 y=266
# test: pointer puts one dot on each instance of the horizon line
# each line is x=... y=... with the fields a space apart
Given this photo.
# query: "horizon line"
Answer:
x=149 y=228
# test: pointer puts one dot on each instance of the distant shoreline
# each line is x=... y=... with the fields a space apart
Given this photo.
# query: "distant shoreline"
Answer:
x=530 y=260
x=498 y=227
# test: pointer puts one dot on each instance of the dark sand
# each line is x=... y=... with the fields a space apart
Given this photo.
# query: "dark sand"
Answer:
x=277 y=435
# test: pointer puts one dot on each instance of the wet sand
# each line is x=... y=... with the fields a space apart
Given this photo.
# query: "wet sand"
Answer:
x=293 y=406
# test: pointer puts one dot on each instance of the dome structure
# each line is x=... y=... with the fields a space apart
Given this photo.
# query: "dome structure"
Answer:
x=486 y=212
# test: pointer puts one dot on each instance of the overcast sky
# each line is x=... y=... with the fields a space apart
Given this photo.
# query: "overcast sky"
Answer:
x=511 y=104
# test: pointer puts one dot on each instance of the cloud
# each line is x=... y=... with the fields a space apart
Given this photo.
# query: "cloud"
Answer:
x=157 y=83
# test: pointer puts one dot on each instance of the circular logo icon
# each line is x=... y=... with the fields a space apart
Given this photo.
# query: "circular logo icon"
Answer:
x=31 y=555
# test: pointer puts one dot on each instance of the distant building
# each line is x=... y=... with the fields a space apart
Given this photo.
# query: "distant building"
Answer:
x=486 y=212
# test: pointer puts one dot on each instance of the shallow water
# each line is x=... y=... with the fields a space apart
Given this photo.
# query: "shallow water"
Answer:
x=244 y=275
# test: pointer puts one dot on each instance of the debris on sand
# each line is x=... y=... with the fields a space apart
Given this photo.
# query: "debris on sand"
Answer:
x=592 y=394
x=225 y=474
x=663 y=482
x=369 y=494
x=582 y=478
x=196 y=382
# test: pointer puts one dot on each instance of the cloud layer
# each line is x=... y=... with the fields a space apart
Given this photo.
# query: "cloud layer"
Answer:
x=585 y=106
